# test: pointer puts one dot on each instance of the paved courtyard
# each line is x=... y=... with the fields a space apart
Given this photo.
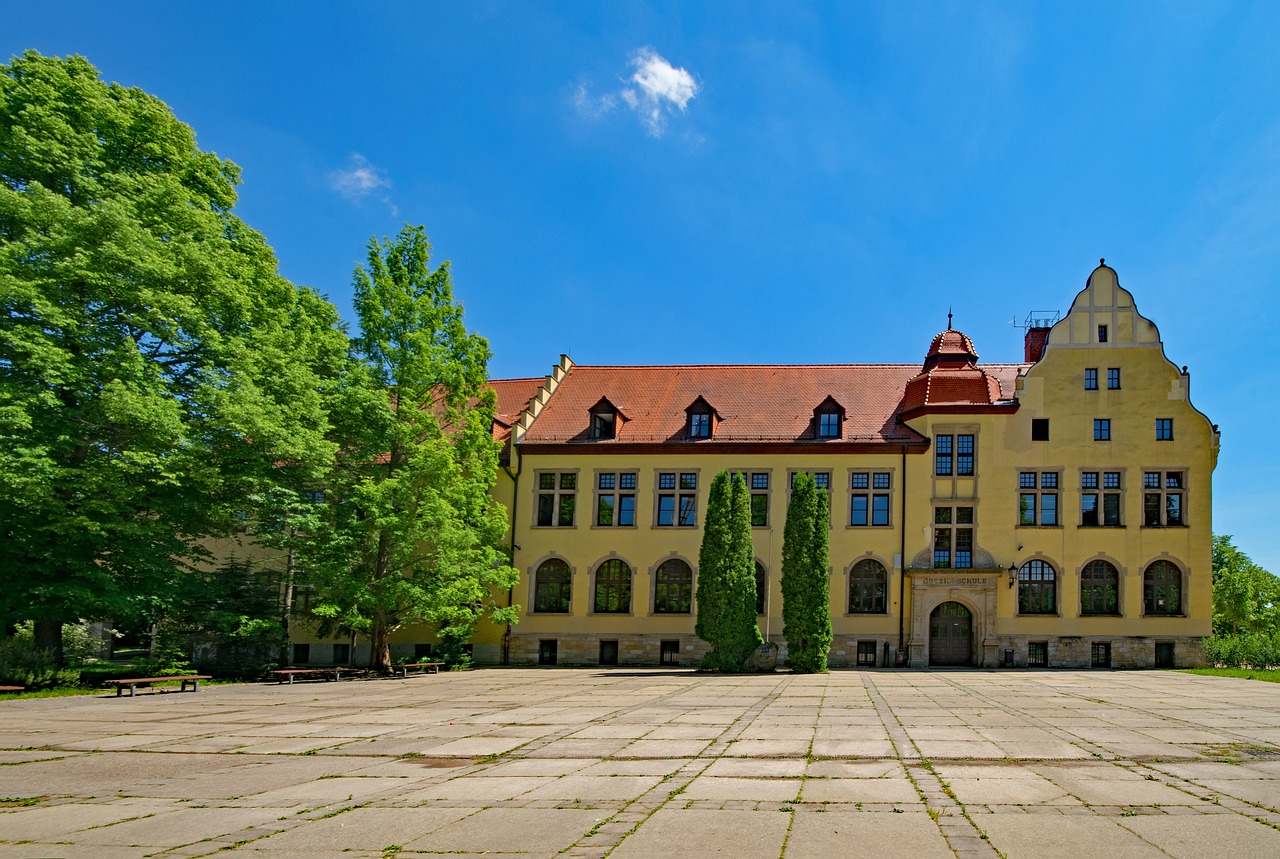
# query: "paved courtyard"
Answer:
x=651 y=763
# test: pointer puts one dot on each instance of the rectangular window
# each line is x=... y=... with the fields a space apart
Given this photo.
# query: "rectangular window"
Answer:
x=1102 y=429
x=616 y=499
x=1113 y=378
x=677 y=499
x=699 y=425
x=609 y=652
x=602 y=424
x=668 y=652
x=1100 y=508
x=964 y=455
x=1038 y=498
x=1091 y=379
x=1162 y=501
x=1102 y=334
x=1164 y=429
x=869 y=498
x=547 y=651
x=828 y=425
x=1038 y=651
x=866 y=654
x=758 y=482
x=942 y=452
x=1039 y=429
x=341 y=654
x=953 y=537
x=1100 y=654
x=301 y=654
x=557 y=493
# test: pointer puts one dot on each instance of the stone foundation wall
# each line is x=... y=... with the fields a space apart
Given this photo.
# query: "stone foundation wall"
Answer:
x=1077 y=651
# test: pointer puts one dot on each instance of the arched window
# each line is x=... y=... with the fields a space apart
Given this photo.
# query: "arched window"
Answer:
x=1037 y=588
x=673 y=587
x=1162 y=589
x=762 y=587
x=1099 y=589
x=613 y=587
x=552 y=586
x=868 y=584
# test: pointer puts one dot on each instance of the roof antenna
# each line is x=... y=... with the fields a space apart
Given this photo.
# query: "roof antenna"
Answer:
x=948 y=318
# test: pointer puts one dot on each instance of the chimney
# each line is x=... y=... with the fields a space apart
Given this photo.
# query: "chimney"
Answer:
x=1035 y=343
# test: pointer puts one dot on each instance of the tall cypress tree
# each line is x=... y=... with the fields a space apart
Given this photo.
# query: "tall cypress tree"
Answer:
x=726 y=592
x=806 y=596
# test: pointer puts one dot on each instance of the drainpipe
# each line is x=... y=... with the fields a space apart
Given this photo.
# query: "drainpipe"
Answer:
x=902 y=558
x=515 y=501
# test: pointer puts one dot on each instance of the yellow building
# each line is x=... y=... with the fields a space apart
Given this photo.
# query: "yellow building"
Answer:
x=1051 y=513
x=1055 y=512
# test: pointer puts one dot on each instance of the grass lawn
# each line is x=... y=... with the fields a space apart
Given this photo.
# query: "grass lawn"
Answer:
x=1269 y=675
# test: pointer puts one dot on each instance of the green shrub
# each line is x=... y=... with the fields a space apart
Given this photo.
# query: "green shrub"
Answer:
x=24 y=664
x=164 y=662
x=1256 y=650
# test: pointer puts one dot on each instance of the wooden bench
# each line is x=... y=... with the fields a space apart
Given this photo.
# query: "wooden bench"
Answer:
x=428 y=667
x=134 y=682
x=12 y=688
x=287 y=674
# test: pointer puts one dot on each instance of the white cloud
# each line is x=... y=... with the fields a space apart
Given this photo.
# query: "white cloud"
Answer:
x=654 y=92
x=361 y=179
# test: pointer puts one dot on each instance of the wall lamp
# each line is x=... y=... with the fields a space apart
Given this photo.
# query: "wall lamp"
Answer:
x=1013 y=574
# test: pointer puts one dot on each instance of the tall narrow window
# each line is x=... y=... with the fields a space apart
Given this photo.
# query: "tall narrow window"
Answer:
x=1164 y=429
x=759 y=483
x=677 y=499
x=1162 y=589
x=673 y=588
x=1102 y=429
x=557 y=493
x=616 y=499
x=1038 y=498
x=1037 y=588
x=1113 y=378
x=964 y=455
x=613 y=588
x=1162 y=499
x=868 y=585
x=1102 y=334
x=1039 y=429
x=603 y=425
x=553 y=586
x=942 y=453
x=1091 y=379
x=1099 y=589
x=953 y=537
x=869 y=498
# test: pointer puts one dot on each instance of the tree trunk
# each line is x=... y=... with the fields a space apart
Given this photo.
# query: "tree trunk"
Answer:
x=379 y=646
x=48 y=636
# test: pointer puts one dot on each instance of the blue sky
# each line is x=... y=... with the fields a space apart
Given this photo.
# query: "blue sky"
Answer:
x=775 y=182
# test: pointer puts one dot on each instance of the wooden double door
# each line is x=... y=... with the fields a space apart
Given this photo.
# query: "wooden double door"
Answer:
x=951 y=635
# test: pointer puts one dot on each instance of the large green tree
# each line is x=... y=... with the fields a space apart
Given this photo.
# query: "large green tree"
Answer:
x=156 y=372
x=726 y=577
x=1246 y=598
x=806 y=594
x=408 y=531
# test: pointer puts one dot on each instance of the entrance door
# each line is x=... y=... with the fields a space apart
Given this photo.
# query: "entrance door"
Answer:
x=950 y=635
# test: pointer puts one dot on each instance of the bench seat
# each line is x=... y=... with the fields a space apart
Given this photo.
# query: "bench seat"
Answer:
x=134 y=682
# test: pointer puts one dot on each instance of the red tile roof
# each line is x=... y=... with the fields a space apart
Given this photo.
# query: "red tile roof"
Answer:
x=513 y=396
x=756 y=403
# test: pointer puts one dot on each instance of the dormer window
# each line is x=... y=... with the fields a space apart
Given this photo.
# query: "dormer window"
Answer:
x=605 y=420
x=700 y=419
x=603 y=424
x=828 y=418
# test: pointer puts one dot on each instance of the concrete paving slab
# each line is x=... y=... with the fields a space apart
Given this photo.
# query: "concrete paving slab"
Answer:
x=547 y=830
x=681 y=834
x=759 y=789
x=370 y=829
x=855 y=790
x=866 y=834
x=1194 y=837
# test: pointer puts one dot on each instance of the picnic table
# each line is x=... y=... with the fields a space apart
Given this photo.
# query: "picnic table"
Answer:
x=134 y=682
